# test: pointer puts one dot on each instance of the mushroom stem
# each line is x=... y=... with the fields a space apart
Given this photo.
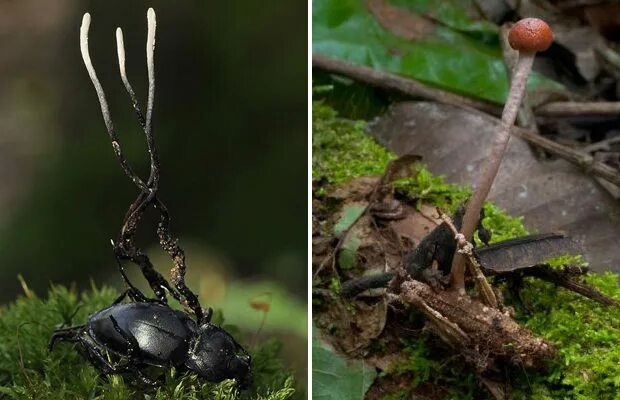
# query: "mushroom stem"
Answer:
x=494 y=158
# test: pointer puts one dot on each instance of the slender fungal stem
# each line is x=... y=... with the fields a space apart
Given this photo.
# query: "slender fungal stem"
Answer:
x=494 y=159
x=105 y=110
x=150 y=65
x=153 y=181
x=120 y=48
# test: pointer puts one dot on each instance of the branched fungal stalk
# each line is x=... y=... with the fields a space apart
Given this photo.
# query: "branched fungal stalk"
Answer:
x=124 y=247
x=528 y=36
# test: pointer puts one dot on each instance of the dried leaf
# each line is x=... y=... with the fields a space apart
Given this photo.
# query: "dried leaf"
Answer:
x=550 y=195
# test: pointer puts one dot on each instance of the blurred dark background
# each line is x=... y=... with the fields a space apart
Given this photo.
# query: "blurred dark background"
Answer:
x=231 y=125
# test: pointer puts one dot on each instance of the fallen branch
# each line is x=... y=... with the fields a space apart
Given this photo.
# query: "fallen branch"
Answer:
x=579 y=158
x=562 y=279
x=573 y=108
x=403 y=85
x=483 y=335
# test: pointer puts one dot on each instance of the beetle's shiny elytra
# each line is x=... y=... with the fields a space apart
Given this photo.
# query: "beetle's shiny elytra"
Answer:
x=129 y=337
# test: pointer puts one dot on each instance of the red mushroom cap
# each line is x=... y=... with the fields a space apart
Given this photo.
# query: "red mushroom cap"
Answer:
x=530 y=35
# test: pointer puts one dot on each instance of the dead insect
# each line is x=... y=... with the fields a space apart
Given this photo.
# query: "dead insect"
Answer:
x=129 y=338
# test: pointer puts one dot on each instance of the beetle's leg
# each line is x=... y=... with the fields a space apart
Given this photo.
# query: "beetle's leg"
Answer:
x=64 y=335
x=101 y=362
x=133 y=296
x=132 y=352
x=143 y=377
x=483 y=233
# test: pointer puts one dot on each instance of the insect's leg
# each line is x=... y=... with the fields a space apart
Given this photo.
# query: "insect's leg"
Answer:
x=170 y=245
x=64 y=335
x=98 y=360
x=143 y=377
x=132 y=352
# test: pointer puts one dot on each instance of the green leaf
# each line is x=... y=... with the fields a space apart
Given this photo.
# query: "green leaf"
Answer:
x=455 y=14
x=445 y=56
x=347 y=258
x=349 y=216
x=333 y=378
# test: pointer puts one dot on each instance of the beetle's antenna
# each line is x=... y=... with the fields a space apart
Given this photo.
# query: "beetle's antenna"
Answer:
x=105 y=110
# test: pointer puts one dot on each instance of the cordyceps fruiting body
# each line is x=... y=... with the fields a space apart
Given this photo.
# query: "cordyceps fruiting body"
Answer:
x=133 y=338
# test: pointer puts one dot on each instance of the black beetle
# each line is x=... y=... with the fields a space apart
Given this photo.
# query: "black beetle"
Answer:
x=132 y=337
x=141 y=334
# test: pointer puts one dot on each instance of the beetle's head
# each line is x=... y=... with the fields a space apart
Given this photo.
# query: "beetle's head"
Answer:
x=215 y=356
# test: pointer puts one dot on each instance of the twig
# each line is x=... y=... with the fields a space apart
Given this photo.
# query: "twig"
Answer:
x=449 y=331
x=486 y=292
x=572 y=108
x=331 y=257
x=559 y=278
x=579 y=158
x=602 y=145
x=403 y=85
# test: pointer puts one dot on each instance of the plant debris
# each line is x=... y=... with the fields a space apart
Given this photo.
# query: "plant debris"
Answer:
x=363 y=320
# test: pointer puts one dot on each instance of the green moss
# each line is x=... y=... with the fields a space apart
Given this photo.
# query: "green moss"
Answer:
x=587 y=336
x=419 y=363
x=335 y=286
x=502 y=225
x=568 y=259
x=433 y=189
x=341 y=150
x=28 y=370
x=426 y=362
